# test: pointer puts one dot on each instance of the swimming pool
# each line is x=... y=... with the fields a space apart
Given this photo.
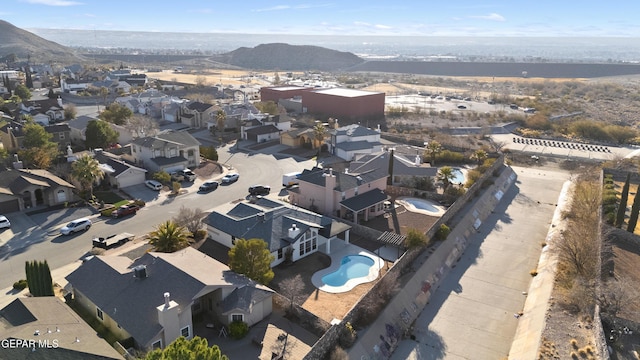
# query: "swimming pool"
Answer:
x=459 y=176
x=421 y=205
x=351 y=267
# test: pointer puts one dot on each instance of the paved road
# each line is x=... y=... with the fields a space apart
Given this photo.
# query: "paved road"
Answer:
x=36 y=237
x=471 y=315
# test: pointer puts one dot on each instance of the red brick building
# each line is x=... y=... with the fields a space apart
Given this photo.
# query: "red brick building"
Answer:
x=276 y=93
x=344 y=103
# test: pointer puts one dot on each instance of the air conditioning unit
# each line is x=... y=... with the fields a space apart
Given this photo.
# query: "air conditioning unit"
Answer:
x=140 y=271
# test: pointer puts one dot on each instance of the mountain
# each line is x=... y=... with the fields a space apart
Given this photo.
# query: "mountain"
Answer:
x=22 y=43
x=279 y=56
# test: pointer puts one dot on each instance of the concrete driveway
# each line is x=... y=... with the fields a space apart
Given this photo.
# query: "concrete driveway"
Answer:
x=471 y=315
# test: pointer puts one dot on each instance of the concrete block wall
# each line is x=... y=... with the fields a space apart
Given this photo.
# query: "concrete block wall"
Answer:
x=405 y=307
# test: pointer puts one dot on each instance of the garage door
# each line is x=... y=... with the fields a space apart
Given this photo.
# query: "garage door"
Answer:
x=130 y=179
x=9 y=206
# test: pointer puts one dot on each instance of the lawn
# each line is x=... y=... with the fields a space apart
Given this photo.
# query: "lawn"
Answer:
x=109 y=197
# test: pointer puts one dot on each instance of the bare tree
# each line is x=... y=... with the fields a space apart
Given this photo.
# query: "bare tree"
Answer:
x=190 y=219
x=293 y=289
x=616 y=293
x=141 y=126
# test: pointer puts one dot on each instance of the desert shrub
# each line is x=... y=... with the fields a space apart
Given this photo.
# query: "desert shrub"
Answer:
x=20 y=284
x=200 y=234
x=238 y=329
x=454 y=192
x=415 y=238
x=347 y=336
x=97 y=251
x=107 y=212
x=139 y=202
x=443 y=232
x=472 y=176
x=609 y=199
x=448 y=156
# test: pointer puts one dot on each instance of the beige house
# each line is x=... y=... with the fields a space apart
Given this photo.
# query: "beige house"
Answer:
x=298 y=138
x=353 y=196
x=158 y=297
x=33 y=187
x=167 y=152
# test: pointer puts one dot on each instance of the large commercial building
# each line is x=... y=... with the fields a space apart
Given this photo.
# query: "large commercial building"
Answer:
x=333 y=102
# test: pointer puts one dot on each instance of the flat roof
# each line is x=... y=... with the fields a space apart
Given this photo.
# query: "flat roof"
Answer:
x=346 y=92
x=288 y=88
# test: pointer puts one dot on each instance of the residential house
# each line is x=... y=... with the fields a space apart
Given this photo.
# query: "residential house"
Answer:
x=118 y=173
x=358 y=196
x=171 y=112
x=50 y=329
x=78 y=128
x=406 y=167
x=168 y=152
x=296 y=138
x=12 y=135
x=43 y=112
x=158 y=297
x=264 y=127
x=347 y=141
x=130 y=102
x=198 y=115
x=72 y=86
x=24 y=189
x=135 y=80
x=237 y=114
x=285 y=228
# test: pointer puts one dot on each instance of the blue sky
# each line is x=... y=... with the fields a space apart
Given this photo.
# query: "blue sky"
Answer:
x=616 y=18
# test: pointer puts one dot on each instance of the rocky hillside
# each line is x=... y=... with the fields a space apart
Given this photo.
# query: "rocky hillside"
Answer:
x=22 y=43
x=290 y=57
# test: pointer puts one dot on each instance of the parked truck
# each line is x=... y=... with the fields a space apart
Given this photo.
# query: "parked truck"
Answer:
x=290 y=179
x=124 y=210
x=112 y=240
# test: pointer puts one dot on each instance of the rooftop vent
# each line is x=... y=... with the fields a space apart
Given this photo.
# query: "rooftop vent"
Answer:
x=140 y=271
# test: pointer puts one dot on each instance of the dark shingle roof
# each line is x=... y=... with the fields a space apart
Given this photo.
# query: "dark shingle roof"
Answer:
x=162 y=140
x=357 y=145
x=366 y=200
x=244 y=298
x=343 y=181
x=264 y=129
x=198 y=106
x=402 y=165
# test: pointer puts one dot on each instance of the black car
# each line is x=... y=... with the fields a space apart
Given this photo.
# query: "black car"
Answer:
x=259 y=190
x=208 y=186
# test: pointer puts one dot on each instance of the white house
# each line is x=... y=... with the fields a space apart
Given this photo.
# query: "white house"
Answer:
x=167 y=152
x=347 y=141
x=285 y=228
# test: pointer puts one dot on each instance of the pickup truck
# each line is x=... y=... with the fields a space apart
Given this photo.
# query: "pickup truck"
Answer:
x=125 y=210
x=112 y=240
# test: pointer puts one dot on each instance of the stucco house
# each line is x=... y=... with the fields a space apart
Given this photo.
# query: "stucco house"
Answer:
x=197 y=114
x=298 y=138
x=168 y=151
x=406 y=167
x=283 y=227
x=118 y=173
x=347 y=141
x=58 y=332
x=33 y=187
x=353 y=196
x=158 y=297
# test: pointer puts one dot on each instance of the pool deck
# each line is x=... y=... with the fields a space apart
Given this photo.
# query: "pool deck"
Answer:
x=337 y=253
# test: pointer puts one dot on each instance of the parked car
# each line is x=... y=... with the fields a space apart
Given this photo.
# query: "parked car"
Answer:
x=230 y=178
x=82 y=224
x=125 y=210
x=4 y=222
x=461 y=107
x=259 y=190
x=176 y=176
x=208 y=186
x=153 y=185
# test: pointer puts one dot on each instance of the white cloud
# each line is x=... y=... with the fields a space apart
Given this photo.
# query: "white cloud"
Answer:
x=53 y=2
x=383 y=27
x=492 y=17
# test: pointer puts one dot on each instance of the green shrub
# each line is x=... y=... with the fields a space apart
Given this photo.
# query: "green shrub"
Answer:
x=472 y=176
x=448 y=156
x=443 y=232
x=238 y=329
x=609 y=199
x=20 y=284
x=107 y=212
x=200 y=234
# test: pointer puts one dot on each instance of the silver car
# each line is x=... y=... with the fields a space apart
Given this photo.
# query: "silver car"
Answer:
x=4 y=222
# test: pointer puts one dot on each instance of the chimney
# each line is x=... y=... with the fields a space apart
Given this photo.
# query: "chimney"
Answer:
x=330 y=171
x=293 y=231
x=378 y=129
x=260 y=217
x=59 y=101
x=346 y=171
x=167 y=300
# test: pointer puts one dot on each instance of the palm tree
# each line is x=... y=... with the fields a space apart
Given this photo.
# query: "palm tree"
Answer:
x=479 y=156
x=169 y=237
x=319 y=131
x=446 y=175
x=87 y=171
x=433 y=149
x=221 y=117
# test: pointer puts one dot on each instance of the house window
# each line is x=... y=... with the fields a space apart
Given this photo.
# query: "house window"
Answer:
x=233 y=240
x=61 y=136
x=186 y=332
x=280 y=253
x=308 y=243
x=99 y=314
x=237 y=317
x=133 y=148
x=190 y=152
x=156 y=345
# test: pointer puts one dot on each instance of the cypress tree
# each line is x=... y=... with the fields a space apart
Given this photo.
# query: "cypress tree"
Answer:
x=39 y=278
x=622 y=208
x=47 y=284
x=633 y=218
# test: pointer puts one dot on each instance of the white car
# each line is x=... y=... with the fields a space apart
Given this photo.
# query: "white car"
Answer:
x=230 y=178
x=76 y=225
x=153 y=185
x=4 y=222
